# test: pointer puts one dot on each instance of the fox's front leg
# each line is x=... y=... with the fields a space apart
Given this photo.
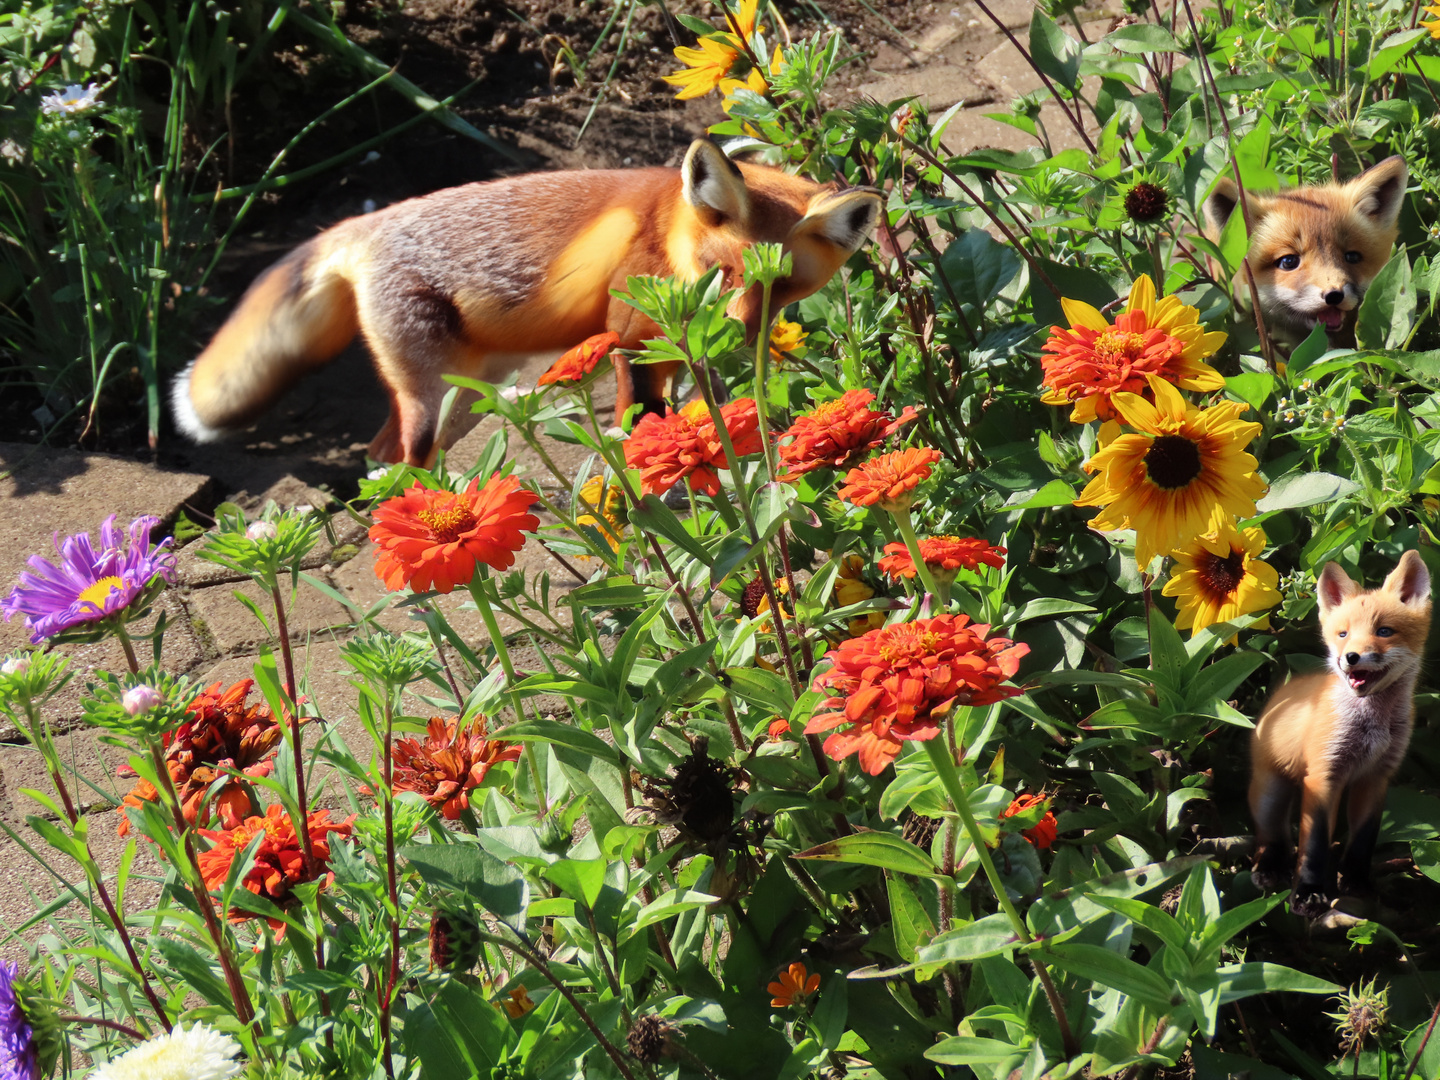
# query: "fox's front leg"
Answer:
x=1367 y=800
x=1271 y=798
x=1314 y=875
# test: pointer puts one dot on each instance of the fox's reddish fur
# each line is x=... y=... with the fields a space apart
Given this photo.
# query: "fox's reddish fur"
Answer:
x=1340 y=733
x=470 y=280
x=1314 y=250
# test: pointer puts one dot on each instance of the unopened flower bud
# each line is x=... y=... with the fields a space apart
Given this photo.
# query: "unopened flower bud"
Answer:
x=261 y=530
x=139 y=699
x=15 y=665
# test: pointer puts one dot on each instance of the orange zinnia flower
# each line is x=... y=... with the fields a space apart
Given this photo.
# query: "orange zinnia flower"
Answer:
x=670 y=448
x=222 y=733
x=581 y=360
x=779 y=729
x=792 y=986
x=1043 y=833
x=896 y=683
x=944 y=555
x=433 y=539
x=835 y=433
x=279 y=859
x=449 y=764
x=519 y=1003
x=888 y=480
x=1093 y=360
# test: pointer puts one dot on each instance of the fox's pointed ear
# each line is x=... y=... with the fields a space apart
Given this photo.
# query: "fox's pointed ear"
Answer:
x=1380 y=190
x=845 y=218
x=1409 y=582
x=712 y=183
x=1334 y=587
x=1223 y=200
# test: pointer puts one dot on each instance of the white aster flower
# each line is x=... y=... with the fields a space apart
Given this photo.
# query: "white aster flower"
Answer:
x=73 y=99
x=202 y=1053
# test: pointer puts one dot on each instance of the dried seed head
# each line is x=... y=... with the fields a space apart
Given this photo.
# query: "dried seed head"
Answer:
x=649 y=1038
x=1361 y=1014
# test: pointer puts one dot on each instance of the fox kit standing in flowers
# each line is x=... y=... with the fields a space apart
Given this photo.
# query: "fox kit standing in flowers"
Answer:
x=471 y=279
x=1315 y=250
x=1324 y=735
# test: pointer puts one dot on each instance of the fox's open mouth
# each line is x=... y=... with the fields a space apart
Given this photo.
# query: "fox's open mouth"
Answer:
x=1362 y=682
x=1330 y=317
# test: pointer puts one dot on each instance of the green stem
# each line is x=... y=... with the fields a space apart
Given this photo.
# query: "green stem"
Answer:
x=912 y=543
x=129 y=648
x=482 y=601
x=942 y=757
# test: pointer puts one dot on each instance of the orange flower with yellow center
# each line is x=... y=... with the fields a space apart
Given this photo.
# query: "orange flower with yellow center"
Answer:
x=792 y=986
x=834 y=433
x=1219 y=577
x=686 y=445
x=896 y=683
x=432 y=540
x=944 y=555
x=578 y=362
x=1042 y=834
x=1178 y=475
x=1092 y=361
x=888 y=480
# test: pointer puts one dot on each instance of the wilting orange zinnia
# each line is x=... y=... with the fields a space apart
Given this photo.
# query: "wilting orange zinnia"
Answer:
x=1043 y=833
x=581 y=360
x=833 y=434
x=279 y=860
x=888 y=480
x=667 y=449
x=433 y=539
x=896 y=683
x=1092 y=360
x=222 y=732
x=449 y=763
x=944 y=555
x=792 y=986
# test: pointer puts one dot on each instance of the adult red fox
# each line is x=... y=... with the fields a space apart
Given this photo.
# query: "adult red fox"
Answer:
x=1343 y=731
x=471 y=279
x=1315 y=250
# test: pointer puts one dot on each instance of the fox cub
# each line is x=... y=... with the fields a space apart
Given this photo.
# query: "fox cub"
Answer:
x=1315 y=250
x=1344 y=731
x=472 y=279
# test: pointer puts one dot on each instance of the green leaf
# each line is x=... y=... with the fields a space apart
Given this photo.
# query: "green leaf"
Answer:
x=668 y=906
x=1101 y=966
x=989 y=936
x=766 y=690
x=1056 y=912
x=1054 y=52
x=910 y=921
x=972 y=1050
x=1245 y=980
x=1232 y=922
x=1074 y=282
x=552 y=731
x=977 y=267
x=1150 y=917
x=613 y=592
x=470 y=870
x=1387 y=314
x=874 y=849
x=194 y=969
x=653 y=516
x=1426 y=854
x=581 y=878
x=1252 y=387
x=1055 y=493
x=1143 y=38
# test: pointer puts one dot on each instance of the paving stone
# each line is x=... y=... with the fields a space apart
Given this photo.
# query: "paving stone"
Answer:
x=66 y=492
x=231 y=628
x=81 y=752
x=971 y=129
x=937 y=87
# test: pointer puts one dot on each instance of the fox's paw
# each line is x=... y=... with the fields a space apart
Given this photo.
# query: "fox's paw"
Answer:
x=1309 y=905
x=1270 y=879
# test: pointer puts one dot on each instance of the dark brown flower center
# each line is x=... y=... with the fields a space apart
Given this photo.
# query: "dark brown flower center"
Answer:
x=447 y=523
x=1146 y=202
x=1172 y=462
x=1222 y=577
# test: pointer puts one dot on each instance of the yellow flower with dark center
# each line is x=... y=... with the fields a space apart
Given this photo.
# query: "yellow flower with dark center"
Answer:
x=1219 y=577
x=1181 y=473
x=705 y=67
x=597 y=494
x=1433 y=25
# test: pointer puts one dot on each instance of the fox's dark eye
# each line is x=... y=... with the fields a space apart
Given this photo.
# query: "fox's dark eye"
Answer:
x=1288 y=262
x=1353 y=256
x=1383 y=631
x=1342 y=633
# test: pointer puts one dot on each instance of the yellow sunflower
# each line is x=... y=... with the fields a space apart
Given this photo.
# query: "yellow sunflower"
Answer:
x=705 y=67
x=1092 y=361
x=596 y=494
x=1219 y=577
x=1433 y=25
x=1179 y=474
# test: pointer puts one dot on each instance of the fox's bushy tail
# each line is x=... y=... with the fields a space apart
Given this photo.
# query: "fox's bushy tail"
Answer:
x=295 y=317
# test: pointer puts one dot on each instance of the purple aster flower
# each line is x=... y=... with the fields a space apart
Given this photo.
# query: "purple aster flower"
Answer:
x=17 y=1041
x=88 y=585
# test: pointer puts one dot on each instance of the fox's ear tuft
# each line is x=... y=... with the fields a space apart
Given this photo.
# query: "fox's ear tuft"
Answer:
x=1380 y=190
x=712 y=182
x=1334 y=587
x=845 y=218
x=1223 y=200
x=1410 y=580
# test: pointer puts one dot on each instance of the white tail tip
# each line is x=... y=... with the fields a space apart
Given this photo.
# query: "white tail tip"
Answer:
x=186 y=418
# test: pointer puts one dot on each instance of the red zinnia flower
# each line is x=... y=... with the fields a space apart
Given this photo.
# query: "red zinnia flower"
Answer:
x=449 y=764
x=896 y=683
x=279 y=859
x=433 y=539
x=1043 y=833
x=222 y=733
x=792 y=986
x=834 y=433
x=888 y=480
x=943 y=555
x=667 y=449
x=581 y=360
